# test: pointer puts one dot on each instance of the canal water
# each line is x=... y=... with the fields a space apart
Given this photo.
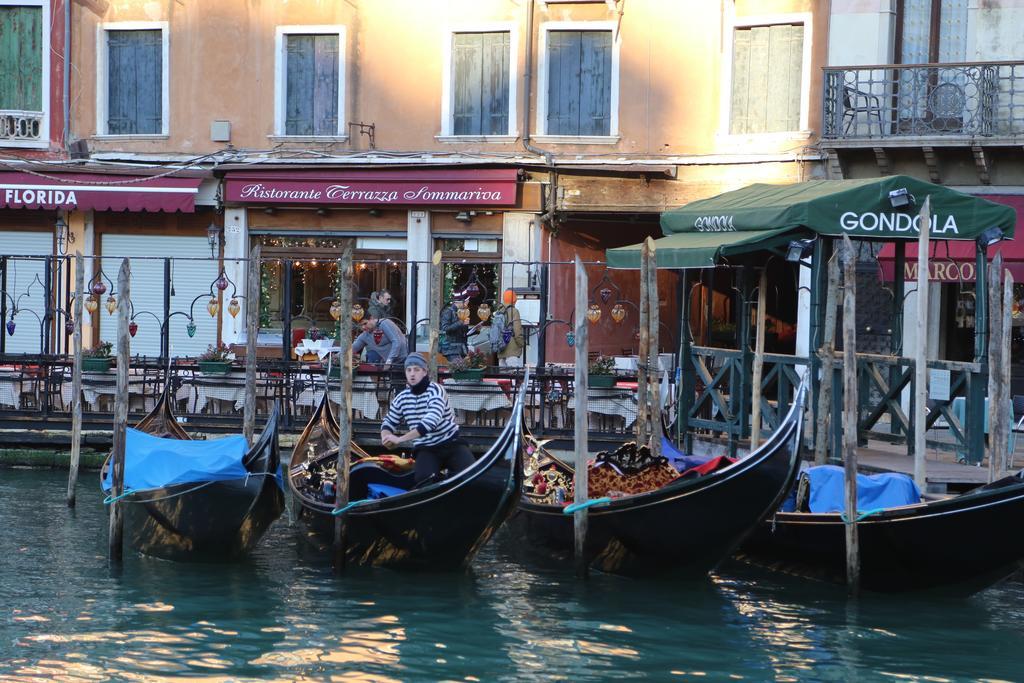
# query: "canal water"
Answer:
x=283 y=615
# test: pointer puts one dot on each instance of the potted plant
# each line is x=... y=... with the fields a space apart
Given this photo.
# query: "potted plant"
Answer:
x=215 y=360
x=98 y=358
x=470 y=367
x=601 y=372
x=722 y=332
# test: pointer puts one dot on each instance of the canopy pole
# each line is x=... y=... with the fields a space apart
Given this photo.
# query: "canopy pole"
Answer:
x=116 y=527
x=850 y=414
x=921 y=349
x=580 y=493
x=76 y=380
x=755 y=383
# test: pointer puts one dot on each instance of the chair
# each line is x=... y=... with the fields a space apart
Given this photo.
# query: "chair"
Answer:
x=1017 y=406
x=859 y=102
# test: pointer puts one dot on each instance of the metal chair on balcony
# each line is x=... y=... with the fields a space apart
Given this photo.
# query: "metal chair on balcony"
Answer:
x=856 y=102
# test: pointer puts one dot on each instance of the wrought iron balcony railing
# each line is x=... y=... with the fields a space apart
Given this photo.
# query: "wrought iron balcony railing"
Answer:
x=978 y=99
x=20 y=126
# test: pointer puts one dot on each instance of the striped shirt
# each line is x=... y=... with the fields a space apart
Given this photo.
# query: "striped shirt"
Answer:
x=428 y=412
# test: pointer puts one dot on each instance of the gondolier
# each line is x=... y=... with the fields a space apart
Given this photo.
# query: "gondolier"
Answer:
x=425 y=409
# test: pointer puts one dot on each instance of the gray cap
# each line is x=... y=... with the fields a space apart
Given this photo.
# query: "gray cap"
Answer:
x=415 y=360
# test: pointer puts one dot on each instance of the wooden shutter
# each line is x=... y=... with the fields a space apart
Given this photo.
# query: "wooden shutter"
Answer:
x=21 y=55
x=595 y=83
x=311 y=98
x=135 y=82
x=480 y=83
x=767 y=77
x=579 y=82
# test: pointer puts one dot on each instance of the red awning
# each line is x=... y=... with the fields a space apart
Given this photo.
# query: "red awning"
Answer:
x=953 y=261
x=339 y=187
x=98 y=192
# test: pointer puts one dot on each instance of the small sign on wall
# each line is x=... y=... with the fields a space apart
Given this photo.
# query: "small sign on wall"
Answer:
x=938 y=385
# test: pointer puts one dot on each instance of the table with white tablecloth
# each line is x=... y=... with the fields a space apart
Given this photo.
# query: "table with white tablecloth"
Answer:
x=364 y=396
x=198 y=392
x=12 y=384
x=96 y=385
x=470 y=398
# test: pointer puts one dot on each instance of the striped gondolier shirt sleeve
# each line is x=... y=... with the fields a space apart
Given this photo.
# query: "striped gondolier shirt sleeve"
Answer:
x=430 y=413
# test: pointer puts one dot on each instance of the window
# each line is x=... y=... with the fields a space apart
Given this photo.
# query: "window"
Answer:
x=310 y=82
x=480 y=83
x=132 y=84
x=767 y=73
x=579 y=83
x=24 y=71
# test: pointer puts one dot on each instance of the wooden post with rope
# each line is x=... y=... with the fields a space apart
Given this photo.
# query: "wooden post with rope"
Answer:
x=995 y=363
x=76 y=379
x=580 y=493
x=755 y=382
x=850 y=413
x=116 y=528
x=345 y=414
x=653 y=356
x=435 y=314
x=1005 y=395
x=252 y=327
x=921 y=349
x=827 y=354
x=642 y=408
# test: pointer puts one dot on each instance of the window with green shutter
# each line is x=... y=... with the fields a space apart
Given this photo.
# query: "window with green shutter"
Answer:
x=21 y=58
x=767 y=70
x=135 y=82
x=311 y=87
x=480 y=83
x=579 y=88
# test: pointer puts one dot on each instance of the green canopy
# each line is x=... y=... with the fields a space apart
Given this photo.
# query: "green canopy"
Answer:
x=859 y=208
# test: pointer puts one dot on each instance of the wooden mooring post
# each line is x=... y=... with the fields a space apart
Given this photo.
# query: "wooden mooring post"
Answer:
x=653 y=355
x=644 y=352
x=827 y=353
x=580 y=493
x=76 y=379
x=434 y=306
x=345 y=414
x=921 y=351
x=997 y=445
x=116 y=531
x=755 y=382
x=1005 y=393
x=850 y=412
x=252 y=328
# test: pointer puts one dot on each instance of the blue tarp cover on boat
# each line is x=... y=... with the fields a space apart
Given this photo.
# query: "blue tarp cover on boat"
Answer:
x=874 y=491
x=152 y=462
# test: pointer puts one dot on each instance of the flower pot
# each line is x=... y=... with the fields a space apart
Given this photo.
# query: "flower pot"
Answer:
x=601 y=381
x=96 y=364
x=472 y=374
x=335 y=371
x=215 y=367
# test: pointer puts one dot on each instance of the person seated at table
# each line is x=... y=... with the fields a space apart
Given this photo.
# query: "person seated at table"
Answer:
x=423 y=406
x=510 y=335
x=380 y=308
x=391 y=347
x=454 y=342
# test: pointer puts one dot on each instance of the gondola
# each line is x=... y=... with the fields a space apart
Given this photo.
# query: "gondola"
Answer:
x=437 y=526
x=960 y=544
x=685 y=527
x=201 y=516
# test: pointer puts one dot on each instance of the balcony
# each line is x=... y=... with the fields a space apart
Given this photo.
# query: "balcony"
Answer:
x=19 y=127
x=893 y=103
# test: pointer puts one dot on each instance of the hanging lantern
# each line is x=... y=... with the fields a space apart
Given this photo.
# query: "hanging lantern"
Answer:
x=111 y=304
x=98 y=288
x=606 y=294
x=618 y=313
x=191 y=328
x=570 y=338
x=69 y=326
x=10 y=327
x=336 y=309
x=213 y=306
x=484 y=311
x=221 y=282
x=463 y=314
x=133 y=327
x=357 y=312
x=91 y=303
x=234 y=307
x=594 y=313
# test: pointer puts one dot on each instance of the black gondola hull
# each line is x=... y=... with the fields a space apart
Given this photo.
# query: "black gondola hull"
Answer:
x=962 y=544
x=686 y=528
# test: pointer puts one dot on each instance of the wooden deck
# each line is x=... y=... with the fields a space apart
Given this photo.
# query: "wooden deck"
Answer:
x=942 y=472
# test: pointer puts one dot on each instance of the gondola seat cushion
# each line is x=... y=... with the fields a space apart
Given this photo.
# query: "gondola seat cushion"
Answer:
x=874 y=492
x=152 y=462
x=383 y=491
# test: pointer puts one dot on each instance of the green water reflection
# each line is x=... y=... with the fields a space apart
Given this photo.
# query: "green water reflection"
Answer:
x=285 y=616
